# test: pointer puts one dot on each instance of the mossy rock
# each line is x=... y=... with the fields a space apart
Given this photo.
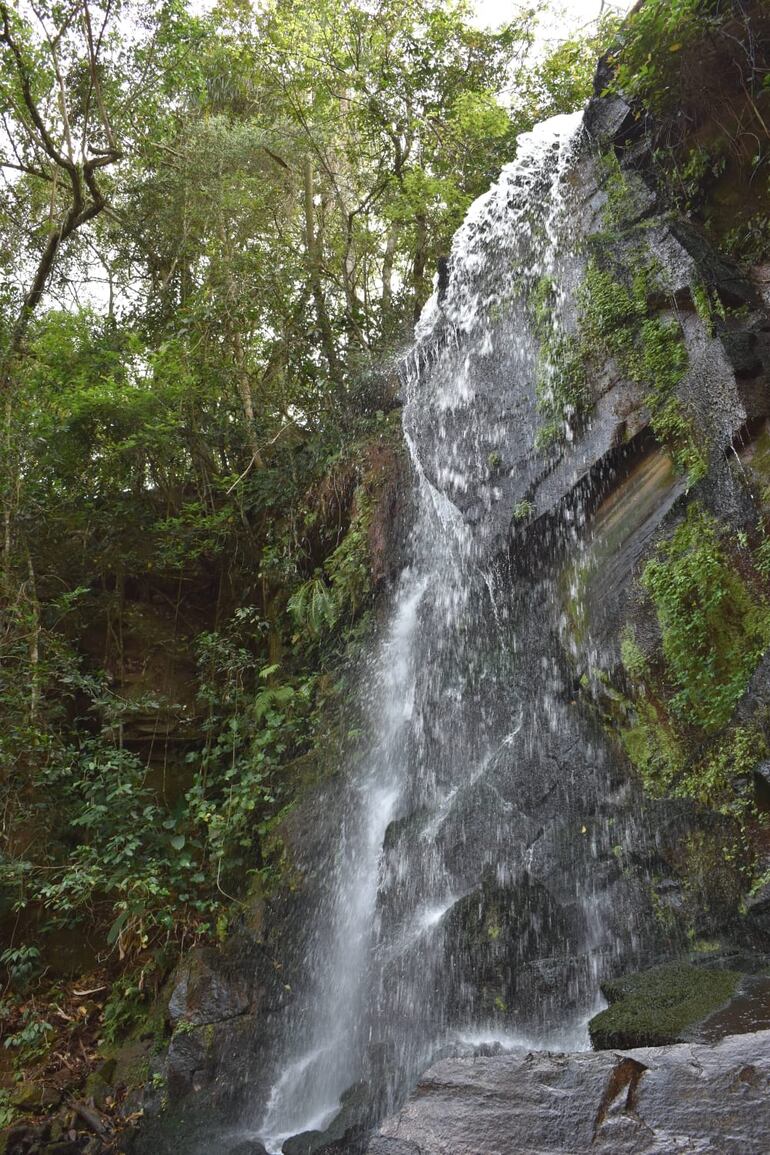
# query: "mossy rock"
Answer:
x=131 y=1063
x=98 y=1089
x=31 y=1096
x=655 y=1008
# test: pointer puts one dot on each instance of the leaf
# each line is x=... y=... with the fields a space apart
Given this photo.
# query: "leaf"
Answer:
x=178 y=841
x=268 y=671
x=114 y=932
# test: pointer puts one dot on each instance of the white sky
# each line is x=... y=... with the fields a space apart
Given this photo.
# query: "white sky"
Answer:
x=568 y=15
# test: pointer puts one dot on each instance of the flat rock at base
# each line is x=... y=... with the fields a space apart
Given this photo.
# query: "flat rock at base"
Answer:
x=709 y=1099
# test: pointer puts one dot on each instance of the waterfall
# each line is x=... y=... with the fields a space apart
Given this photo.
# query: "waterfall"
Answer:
x=469 y=897
x=306 y=1095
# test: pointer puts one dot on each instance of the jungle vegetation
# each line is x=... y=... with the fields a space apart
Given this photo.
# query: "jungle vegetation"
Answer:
x=216 y=230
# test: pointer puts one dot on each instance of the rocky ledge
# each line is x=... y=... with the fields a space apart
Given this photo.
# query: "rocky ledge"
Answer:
x=648 y=1101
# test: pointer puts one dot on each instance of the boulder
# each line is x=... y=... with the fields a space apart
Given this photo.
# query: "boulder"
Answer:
x=648 y=1101
x=658 y=1006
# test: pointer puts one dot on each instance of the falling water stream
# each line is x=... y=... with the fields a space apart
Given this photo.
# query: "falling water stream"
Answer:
x=469 y=809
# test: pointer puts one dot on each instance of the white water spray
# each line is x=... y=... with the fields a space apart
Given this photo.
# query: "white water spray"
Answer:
x=445 y=813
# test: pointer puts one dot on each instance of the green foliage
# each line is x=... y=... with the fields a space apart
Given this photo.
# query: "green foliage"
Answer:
x=705 y=306
x=634 y=661
x=675 y=719
x=615 y=186
x=334 y=596
x=562 y=388
x=653 y=744
x=749 y=242
x=30 y=1042
x=523 y=510
x=563 y=80
x=691 y=177
x=21 y=962
x=7 y=1110
x=722 y=780
x=714 y=628
x=651 y=41
x=762 y=554
x=616 y=321
x=674 y=58
x=125 y=1007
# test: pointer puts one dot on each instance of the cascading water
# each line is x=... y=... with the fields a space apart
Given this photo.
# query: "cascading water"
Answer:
x=307 y=1093
x=470 y=896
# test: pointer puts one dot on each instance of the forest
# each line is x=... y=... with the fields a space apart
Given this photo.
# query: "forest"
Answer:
x=217 y=231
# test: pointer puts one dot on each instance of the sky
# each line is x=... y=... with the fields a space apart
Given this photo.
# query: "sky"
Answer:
x=566 y=15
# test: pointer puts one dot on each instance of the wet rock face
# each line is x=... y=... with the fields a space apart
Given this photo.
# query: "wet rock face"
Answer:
x=207 y=992
x=649 y=1101
x=480 y=441
x=491 y=936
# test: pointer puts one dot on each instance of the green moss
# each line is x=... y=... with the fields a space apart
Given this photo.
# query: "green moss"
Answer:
x=653 y=745
x=721 y=779
x=615 y=186
x=562 y=384
x=654 y=1008
x=713 y=866
x=674 y=715
x=708 y=307
x=713 y=625
x=634 y=662
x=649 y=350
x=614 y=321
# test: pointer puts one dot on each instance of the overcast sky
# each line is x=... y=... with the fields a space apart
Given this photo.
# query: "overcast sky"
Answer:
x=566 y=17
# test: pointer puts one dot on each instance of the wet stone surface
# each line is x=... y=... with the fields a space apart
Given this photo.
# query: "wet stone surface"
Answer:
x=651 y=1101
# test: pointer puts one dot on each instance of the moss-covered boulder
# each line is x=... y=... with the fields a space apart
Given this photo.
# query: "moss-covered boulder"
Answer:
x=657 y=1007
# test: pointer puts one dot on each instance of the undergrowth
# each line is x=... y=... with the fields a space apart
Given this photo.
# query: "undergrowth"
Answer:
x=676 y=716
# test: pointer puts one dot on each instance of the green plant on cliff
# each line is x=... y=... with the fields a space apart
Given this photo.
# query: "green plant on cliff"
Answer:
x=675 y=717
x=714 y=624
x=616 y=321
x=646 y=57
x=651 y=742
x=335 y=593
x=561 y=386
x=700 y=67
